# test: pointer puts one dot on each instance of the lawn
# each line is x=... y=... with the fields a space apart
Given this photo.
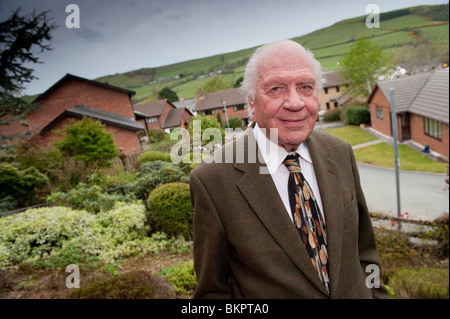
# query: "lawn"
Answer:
x=382 y=154
x=354 y=135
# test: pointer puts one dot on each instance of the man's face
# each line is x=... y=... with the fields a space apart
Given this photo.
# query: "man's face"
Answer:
x=286 y=96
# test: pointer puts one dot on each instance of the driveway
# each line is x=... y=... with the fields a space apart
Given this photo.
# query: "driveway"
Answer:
x=422 y=195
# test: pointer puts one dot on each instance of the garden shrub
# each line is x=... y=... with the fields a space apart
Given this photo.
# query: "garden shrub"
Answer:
x=155 y=175
x=357 y=115
x=332 y=115
x=171 y=209
x=129 y=285
x=49 y=236
x=33 y=235
x=149 y=156
x=156 y=167
x=89 y=197
x=155 y=135
x=420 y=283
x=19 y=184
x=87 y=141
x=181 y=277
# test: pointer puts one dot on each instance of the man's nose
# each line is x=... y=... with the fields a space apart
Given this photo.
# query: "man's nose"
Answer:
x=293 y=100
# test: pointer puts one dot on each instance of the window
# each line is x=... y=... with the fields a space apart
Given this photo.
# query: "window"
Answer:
x=336 y=104
x=379 y=112
x=326 y=90
x=338 y=89
x=432 y=128
x=328 y=105
x=152 y=119
x=208 y=112
x=239 y=107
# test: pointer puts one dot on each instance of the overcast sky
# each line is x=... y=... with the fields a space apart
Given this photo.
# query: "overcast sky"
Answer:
x=119 y=36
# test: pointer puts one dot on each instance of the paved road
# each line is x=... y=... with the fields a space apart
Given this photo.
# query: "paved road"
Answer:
x=422 y=195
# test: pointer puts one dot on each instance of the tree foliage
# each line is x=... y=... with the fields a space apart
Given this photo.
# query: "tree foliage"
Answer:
x=19 y=37
x=361 y=66
x=167 y=93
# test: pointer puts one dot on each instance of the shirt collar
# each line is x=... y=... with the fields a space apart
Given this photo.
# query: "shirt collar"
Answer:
x=274 y=155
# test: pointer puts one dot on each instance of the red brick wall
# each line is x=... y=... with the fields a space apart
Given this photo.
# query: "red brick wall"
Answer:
x=75 y=92
x=381 y=125
x=123 y=138
x=230 y=113
x=418 y=135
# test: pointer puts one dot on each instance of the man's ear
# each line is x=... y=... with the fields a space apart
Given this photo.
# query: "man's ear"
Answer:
x=251 y=103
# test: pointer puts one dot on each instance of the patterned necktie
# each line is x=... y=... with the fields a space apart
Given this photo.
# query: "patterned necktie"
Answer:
x=307 y=218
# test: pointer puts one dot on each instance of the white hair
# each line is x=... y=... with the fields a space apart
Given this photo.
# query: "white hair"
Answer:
x=248 y=85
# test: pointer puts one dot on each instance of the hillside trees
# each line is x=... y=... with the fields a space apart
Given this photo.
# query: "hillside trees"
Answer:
x=19 y=37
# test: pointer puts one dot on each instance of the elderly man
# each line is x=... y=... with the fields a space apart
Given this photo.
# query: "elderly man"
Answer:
x=300 y=228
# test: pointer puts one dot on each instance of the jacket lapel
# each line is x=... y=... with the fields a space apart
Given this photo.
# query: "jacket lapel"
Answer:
x=327 y=175
x=261 y=194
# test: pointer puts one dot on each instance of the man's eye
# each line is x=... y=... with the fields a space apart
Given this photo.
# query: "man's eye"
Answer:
x=306 y=89
x=276 y=89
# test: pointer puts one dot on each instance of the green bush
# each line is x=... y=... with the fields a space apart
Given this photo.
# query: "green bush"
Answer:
x=357 y=115
x=88 y=142
x=155 y=167
x=153 y=156
x=154 y=175
x=170 y=207
x=332 y=115
x=155 y=135
x=181 y=277
x=92 y=198
x=420 y=283
x=54 y=236
x=19 y=184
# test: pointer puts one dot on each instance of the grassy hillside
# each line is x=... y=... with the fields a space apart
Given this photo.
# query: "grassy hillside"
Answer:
x=397 y=29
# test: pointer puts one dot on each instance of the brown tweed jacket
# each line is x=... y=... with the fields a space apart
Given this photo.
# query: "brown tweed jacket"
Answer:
x=245 y=244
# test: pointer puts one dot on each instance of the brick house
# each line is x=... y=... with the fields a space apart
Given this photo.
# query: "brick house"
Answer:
x=332 y=96
x=214 y=102
x=421 y=105
x=100 y=101
x=162 y=115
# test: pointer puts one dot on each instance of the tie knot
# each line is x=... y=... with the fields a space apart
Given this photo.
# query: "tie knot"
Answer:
x=292 y=163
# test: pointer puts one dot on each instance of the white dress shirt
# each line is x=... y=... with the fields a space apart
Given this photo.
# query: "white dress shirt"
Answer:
x=274 y=157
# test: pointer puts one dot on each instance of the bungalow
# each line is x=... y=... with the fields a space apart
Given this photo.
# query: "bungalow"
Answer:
x=162 y=115
x=331 y=96
x=231 y=100
x=421 y=105
x=73 y=97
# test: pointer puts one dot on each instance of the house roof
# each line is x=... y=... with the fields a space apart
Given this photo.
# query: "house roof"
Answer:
x=74 y=77
x=331 y=79
x=102 y=116
x=174 y=117
x=433 y=100
x=152 y=109
x=406 y=89
x=424 y=94
x=214 y=100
